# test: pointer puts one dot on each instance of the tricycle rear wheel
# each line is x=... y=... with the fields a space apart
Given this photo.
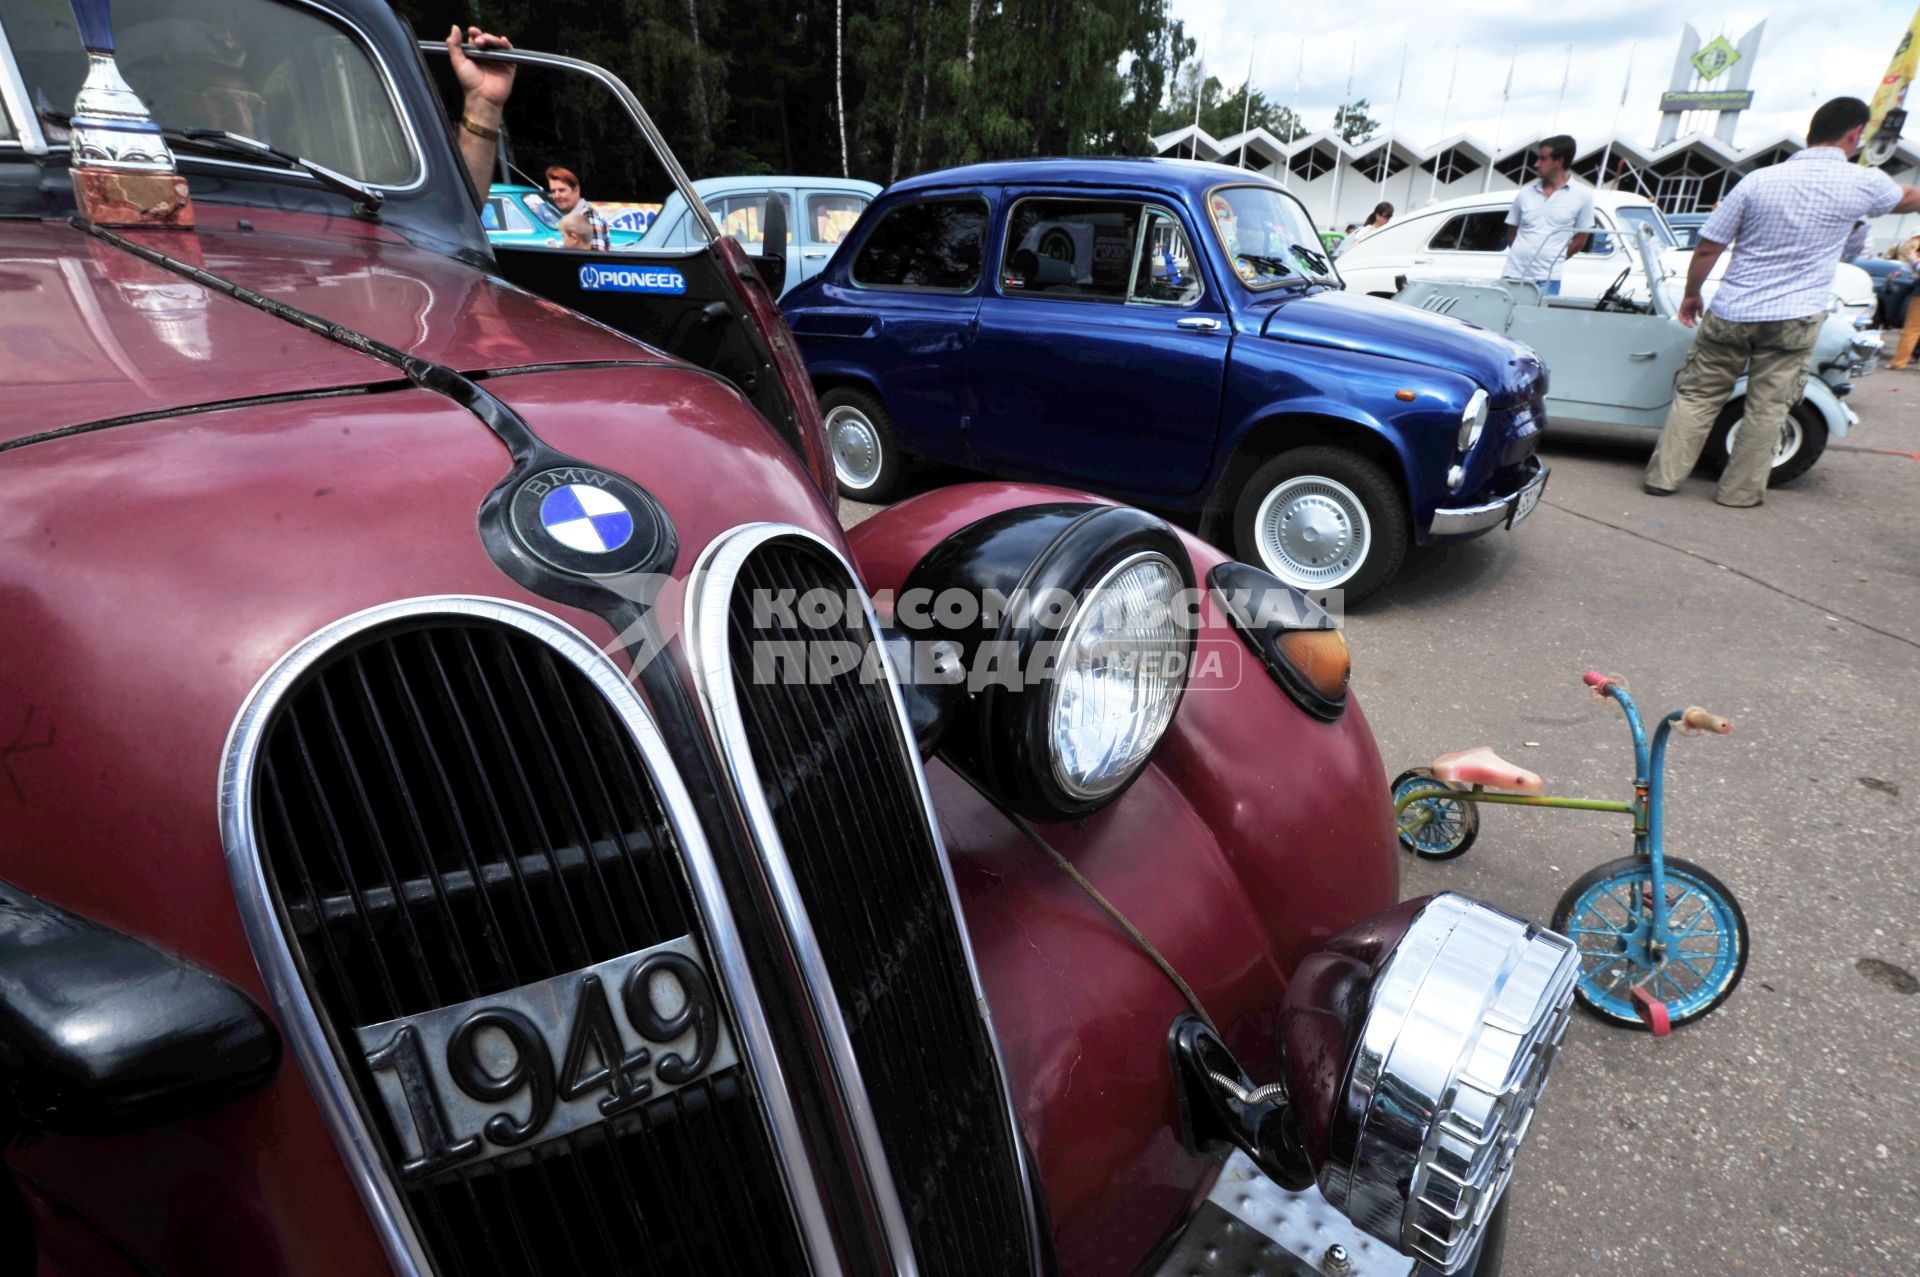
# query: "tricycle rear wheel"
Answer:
x=1604 y=914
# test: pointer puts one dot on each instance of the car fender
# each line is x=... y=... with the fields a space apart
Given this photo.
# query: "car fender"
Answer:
x=1238 y=849
x=1836 y=414
x=1270 y=384
x=828 y=372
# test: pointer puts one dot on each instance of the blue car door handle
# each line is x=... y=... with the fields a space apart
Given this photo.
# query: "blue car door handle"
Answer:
x=1200 y=324
x=1641 y=355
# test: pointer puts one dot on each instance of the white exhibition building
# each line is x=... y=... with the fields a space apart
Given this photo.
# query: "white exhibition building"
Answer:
x=1340 y=182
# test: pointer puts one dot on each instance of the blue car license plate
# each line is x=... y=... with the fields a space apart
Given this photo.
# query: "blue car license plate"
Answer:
x=1528 y=498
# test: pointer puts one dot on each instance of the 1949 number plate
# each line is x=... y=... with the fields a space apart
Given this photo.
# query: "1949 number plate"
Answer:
x=473 y=1081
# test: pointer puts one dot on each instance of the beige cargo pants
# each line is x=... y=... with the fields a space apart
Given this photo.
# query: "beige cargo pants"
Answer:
x=1773 y=354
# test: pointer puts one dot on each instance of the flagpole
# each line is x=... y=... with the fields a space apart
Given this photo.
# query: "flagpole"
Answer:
x=1246 y=112
x=1500 y=122
x=1393 y=125
x=1199 y=91
x=1565 y=75
x=1333 y=200
x=1626 y=88
x=1445 y=112
x=1293 y=114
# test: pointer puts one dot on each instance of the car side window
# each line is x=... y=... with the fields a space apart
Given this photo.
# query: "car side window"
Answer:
x=490 y=213
x=745 y=218
x=1483 y=232
x=1602 y=242
x=1447 y=238
x=1078 y=249
x=1167 y=273
x=934 y=244
x=830 y=217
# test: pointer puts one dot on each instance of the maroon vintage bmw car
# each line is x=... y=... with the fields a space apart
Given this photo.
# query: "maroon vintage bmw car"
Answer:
x=461 y=811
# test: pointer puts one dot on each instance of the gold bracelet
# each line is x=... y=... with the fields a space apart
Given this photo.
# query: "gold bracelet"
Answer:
x=479 y=130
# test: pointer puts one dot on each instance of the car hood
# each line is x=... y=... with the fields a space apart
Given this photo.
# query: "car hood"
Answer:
x=1371 y=326
x=88 y=332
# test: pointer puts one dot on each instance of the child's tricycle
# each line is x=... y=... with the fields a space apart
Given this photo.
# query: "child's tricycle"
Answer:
x=1662 y=941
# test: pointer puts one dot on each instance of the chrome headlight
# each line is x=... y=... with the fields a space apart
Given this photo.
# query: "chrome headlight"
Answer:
x=1122 y=665
x=1473 y=420
x=1437 y=1081
x=1074 y=625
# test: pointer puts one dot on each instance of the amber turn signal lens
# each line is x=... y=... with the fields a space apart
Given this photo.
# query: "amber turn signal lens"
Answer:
x=1320 y=659
x=1404 y=396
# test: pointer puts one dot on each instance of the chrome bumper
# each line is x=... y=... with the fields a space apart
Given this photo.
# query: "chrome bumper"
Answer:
x=1510 y=509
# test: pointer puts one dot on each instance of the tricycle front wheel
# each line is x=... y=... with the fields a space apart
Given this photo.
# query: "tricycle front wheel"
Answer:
x=1450 y=826
x=1608 y=916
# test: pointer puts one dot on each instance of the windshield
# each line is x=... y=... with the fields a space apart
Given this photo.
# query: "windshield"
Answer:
x=1633 y=217
x=277 y=72
x=1268 y=237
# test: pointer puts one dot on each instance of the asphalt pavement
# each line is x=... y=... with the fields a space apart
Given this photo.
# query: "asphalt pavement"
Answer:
x=1781 y=1134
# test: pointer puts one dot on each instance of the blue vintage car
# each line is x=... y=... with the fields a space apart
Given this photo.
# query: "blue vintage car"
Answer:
x=1169 y=332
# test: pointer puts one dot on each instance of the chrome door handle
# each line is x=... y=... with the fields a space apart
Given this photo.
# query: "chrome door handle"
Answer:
x=814 y=252
x=1423 y=261
x=1200 y=324
x=1642 y=355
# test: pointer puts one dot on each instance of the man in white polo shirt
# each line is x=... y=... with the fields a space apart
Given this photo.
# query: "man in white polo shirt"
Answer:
x=1550 y=218
x=1788 y=224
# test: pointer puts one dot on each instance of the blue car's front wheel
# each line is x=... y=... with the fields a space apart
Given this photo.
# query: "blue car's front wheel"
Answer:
x=1322 y=518
x=1608 y=914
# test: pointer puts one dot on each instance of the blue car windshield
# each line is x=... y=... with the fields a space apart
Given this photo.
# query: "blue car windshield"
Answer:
x=1268 y=237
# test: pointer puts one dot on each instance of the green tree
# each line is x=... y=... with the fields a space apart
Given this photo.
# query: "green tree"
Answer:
x=1352 y=122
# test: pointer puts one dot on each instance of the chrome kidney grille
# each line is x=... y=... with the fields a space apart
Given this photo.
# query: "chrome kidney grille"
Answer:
x=830 y=785
x=441 y=811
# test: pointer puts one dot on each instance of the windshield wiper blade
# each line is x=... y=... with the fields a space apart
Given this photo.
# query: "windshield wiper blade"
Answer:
x=365 y=198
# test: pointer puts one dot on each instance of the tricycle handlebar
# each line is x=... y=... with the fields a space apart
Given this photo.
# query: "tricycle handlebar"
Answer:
x=1701 y=721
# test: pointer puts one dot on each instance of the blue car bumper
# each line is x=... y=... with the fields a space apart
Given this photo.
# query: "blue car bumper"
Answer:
x=1472 y=520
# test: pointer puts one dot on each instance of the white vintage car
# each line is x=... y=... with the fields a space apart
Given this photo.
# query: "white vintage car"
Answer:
x=1466 y=238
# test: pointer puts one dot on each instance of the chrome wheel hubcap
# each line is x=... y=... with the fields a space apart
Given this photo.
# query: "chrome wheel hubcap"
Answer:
x=1784 y=451
x=1313 y=531
x=856 y=447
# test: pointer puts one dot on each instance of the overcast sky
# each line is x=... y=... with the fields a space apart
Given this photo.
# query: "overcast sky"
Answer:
x=1808 y=53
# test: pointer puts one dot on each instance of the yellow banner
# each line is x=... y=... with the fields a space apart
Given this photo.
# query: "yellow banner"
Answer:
x=1890 y=98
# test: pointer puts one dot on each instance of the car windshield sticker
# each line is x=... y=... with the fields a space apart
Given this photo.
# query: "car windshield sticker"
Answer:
x=632 y=279
x=585 y=518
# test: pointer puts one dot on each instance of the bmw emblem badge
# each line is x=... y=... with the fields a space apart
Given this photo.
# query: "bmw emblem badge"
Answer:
x=587 y=522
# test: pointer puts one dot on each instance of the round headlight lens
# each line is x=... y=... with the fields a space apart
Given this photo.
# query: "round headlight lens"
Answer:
x=1121 y=669
x=1473 y=420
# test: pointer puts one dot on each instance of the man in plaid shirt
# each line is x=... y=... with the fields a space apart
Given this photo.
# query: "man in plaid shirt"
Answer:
x=1789 y=223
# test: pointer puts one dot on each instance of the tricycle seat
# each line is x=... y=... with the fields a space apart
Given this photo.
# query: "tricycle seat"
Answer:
x=1481 y=766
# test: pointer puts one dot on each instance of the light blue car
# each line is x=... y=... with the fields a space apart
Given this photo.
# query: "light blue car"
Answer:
x=1613 y=359
x=820 y=212
x=523 y=215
